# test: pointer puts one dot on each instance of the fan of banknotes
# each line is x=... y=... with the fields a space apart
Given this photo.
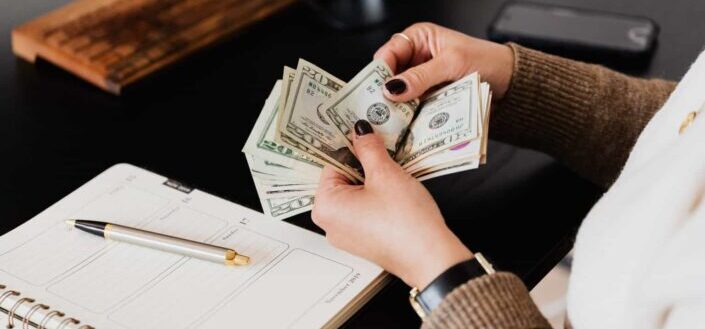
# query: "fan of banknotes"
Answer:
x=307 y=121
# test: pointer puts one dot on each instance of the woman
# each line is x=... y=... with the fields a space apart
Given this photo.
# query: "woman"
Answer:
x=640 y=253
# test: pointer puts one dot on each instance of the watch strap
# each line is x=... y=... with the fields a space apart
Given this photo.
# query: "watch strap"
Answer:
x=441 y=286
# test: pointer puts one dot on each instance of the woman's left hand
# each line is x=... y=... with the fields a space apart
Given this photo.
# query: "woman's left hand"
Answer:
x=391 y=220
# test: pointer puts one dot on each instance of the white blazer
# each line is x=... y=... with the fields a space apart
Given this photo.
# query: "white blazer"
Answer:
x=640 y=253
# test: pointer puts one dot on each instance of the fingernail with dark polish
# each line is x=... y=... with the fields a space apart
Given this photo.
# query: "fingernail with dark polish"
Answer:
x=362 y=127
x=395 y=86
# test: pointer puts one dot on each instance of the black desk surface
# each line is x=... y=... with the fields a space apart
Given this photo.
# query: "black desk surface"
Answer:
x=190 y=122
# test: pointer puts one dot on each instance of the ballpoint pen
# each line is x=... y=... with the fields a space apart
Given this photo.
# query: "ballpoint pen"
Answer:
x=160 y=241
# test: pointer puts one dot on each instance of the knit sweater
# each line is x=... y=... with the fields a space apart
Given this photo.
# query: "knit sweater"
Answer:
x=586 y=116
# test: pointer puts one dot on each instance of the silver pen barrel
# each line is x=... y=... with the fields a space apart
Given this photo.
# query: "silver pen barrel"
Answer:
x=162 y=242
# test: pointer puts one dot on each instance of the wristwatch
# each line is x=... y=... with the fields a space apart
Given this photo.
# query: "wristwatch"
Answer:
x=427 y=300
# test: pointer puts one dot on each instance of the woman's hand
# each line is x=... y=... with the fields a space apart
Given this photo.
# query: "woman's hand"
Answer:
x=436 y=55
x=392 y=220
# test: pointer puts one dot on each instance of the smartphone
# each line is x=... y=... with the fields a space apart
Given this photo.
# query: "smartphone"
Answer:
x=601 y=37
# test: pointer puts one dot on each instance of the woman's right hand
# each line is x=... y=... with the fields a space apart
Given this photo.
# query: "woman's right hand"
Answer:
x=436 y=55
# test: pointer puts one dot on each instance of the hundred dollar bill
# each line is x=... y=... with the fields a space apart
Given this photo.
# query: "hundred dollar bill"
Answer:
x=304 y=122
x=263 y=145
x=446 y=118
x=362 y=98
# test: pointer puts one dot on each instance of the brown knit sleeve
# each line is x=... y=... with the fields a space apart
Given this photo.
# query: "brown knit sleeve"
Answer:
x=586 y=116
x=495 y=301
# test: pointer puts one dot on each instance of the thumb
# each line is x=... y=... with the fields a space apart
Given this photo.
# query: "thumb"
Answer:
x=370 y=149
x=415 y=81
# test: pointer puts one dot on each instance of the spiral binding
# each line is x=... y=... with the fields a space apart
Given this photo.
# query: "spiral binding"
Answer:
x=26 y=322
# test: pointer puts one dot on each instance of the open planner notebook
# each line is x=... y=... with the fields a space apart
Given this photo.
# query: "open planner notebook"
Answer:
x=52 y=276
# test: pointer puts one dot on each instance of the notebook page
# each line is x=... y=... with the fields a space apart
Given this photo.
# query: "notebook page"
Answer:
x=295 y=278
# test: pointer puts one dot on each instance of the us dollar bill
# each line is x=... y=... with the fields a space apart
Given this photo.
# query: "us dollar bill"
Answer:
x=280 y=207
x=269 y=170
x=486 y=104
x=363 y=98
x=304 y=121
x=448 y=117
x=284 y=193
x=448 y=169
x=288 y=77
x=467 y=150
x=263 y=145
x=276 y=186
x=307 y=121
